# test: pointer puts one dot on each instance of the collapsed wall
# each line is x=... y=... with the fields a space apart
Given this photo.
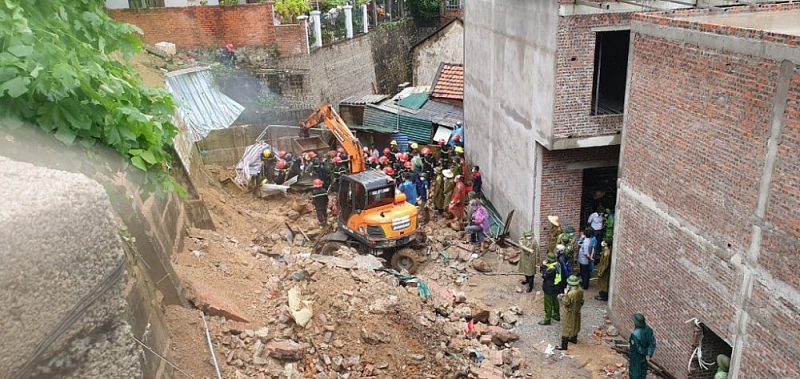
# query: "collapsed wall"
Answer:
x=61 y=280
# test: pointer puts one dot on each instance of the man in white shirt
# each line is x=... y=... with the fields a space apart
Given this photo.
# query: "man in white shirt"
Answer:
x=597 y=222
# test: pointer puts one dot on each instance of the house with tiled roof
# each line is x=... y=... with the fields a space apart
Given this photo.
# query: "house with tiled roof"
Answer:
x=445 y=44
x=448 y=86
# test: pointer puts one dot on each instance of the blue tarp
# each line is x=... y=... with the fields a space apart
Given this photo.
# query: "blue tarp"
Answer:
x=201 y=105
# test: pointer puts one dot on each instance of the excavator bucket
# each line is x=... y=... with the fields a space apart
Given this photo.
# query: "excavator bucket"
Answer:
x=312 y=143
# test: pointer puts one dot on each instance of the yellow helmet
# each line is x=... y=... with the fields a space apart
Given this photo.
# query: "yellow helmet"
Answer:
x=264 y=182
x=459 y=149
x=266 y=153
x=393 y=143
x=414 y=146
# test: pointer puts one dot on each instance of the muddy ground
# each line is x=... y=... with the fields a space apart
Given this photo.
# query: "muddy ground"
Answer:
x=366 y=323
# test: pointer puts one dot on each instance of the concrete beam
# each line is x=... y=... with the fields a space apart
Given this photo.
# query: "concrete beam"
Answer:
x=584 y=142
x=736 y=45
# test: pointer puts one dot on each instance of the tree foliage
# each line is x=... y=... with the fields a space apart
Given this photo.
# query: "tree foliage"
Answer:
x=57 y=72
x=424 y=10
x=289 y=10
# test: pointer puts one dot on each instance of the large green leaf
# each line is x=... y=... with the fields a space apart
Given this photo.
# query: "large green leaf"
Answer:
x=15 y=87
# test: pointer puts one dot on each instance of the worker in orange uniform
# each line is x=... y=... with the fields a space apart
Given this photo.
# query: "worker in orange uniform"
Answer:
x=319 y=197
x=456 y=207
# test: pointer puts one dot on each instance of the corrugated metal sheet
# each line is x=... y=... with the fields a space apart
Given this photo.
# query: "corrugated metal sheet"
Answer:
x=202 y=107
x=384 y=120
x=402 y=141
x=413 y=101
x=418 y=130
x=364 y=99
x=379 y=121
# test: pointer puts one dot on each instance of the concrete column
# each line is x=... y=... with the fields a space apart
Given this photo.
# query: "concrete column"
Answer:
x=365 y=18
x=348 y=20
x=304 y=21
x=317 y=28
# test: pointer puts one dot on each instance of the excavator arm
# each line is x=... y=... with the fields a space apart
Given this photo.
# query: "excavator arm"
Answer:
x=325 y=114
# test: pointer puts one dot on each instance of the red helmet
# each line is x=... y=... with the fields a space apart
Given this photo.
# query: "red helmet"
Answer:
x=403 y=157
x=337 y=160
x=340 y=150
x=374 y=160
x=229 y=47
x=281 y=164
x=317 y=183
x=312 y=154
x=442 y=142
x=281 y=154
x=383 y=159
x=426 y=151
x=388 y=171
x=457 y=137
x=386 y=151
x=332 y=153
x=407 y=165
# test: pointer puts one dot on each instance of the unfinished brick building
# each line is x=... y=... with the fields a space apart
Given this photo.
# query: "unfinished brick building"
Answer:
x=708 y=224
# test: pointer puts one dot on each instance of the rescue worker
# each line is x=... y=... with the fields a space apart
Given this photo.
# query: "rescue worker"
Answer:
x=373 y=163
x=389 y=171
x=294 y=165
x=387 y=152
x=457 y=135
x=428 y=161
x=555 y=231
x=456 y=206
x=383 y=162
x=319 y=197
x=572 y=302
x=423 y=187
x=417 y=164
x=444 y=153
x=459 y=163
x=552 y=287
x=604 y=272
x=642 y=344
x=339 y=169
x=437 y=190
x=406 y=168
x=367 y=154
x=457 y=141
x=449 y=185
x=528 y=259
x=409 y=188
x=477 y=181
x=414 y=148
x=609 y=235
x=570 y=242
x=281 y=172
x=343 y=154
x=393 y=147
x=268 y=161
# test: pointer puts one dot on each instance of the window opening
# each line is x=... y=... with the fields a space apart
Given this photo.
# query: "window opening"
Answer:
x=610 y=72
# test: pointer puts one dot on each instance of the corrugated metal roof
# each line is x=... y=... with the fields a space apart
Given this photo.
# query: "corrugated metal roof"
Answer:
x=417 y=130
x=414 y=101
x=441 y=113
x=201 y=106
x=386 y=120
x=378 y=120
x=363 y=99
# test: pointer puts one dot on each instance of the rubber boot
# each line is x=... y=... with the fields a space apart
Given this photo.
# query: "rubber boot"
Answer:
x=603 y=296
x=530 y=283
x=564 y=343
x=574 y=339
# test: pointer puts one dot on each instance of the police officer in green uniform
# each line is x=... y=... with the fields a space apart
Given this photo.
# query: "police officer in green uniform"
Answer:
x=572 y=303
x=528 y=260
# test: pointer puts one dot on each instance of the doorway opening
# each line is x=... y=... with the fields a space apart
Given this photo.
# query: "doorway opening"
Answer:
x=710 y=345
x=610 y=72
x=599 y=189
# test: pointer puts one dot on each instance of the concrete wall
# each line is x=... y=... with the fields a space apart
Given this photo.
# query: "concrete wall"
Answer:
x=341 y=70
x=446 y=45
x=61 y=256
x=707 y=220
x=509 y=87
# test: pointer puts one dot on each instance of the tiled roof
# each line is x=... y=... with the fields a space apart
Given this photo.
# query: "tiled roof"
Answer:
x=449 y=82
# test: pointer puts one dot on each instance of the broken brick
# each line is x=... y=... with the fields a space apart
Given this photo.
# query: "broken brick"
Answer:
x=287 y=350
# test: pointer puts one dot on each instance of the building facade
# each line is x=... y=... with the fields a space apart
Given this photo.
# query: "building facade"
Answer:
x=708 y=224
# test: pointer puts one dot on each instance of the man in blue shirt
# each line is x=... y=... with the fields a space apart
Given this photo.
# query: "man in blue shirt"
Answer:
x=585 y=254
x=458 y=131
x=408 y=188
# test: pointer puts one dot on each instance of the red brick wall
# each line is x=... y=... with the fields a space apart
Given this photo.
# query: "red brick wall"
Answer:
x=573 y=104
x=204 y=26
x=695 y=143
x=562 y=186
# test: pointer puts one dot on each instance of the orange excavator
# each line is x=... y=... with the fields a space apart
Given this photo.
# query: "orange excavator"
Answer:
x=372 y=218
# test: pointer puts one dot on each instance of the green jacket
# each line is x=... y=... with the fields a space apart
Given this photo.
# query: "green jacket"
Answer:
x=609 y=228
x=604 y=269
x=642 y=344
x=528 y=261
x=449 y=185
x=571 y=314
x=551 y=245
x=437 y=189
x=570 y=242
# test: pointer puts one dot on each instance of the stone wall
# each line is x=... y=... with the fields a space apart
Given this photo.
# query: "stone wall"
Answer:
x=445 y=45
x=708 y=195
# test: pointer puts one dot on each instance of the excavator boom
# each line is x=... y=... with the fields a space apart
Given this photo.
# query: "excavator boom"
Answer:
x=325 y=114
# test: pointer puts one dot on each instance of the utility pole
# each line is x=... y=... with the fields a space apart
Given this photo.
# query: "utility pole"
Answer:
x=375 y=14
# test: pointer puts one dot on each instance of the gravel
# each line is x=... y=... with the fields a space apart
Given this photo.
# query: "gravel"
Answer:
x=59 y=242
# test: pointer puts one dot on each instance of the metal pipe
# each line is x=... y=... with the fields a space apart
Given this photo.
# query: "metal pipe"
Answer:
x=211 y=346
x=162 y=358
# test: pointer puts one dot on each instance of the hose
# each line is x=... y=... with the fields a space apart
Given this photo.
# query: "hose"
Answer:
x=70 y=318
x=698 y=351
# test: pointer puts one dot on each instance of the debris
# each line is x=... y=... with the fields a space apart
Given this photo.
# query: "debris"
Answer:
x=212 y=303
x=360 y=262
x=287 y=350
x=300 y=310
x=481 y=265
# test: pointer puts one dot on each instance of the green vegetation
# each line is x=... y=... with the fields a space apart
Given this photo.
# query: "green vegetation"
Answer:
x=289 y=10
x=424 y=10
x=57 y=72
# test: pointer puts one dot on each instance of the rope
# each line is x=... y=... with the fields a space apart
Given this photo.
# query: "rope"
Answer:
x=162 y=358
x=70 y=318
x=698 y=351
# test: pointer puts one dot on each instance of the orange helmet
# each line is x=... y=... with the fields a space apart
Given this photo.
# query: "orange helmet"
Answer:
x=388 y=171
x=403 y=157
x=442 y=142
x=383 y=159
x=426 y=151
x=340 y=150
x=281 y=164
x=373 y=159
x=317 y=183
x=407 y=165
x=337 y=160
x=281 y=154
